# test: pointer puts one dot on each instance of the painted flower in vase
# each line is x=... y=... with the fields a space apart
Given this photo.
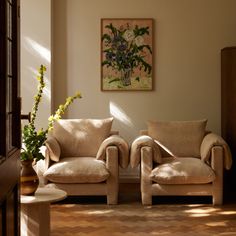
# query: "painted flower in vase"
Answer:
x=126 y=56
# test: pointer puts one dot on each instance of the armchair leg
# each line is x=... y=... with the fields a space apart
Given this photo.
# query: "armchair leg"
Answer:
x=112 y=198
x=146 y=199
x=113 y=180
x=217 y=185
x=217 y=199
x=146 y=182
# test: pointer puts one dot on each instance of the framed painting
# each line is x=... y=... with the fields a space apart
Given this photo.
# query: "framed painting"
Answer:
x=126 y=54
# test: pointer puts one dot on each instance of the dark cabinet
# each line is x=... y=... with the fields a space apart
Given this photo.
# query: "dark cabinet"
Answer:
x=228 y=114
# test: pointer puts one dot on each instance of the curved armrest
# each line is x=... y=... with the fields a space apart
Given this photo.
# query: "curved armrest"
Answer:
x=121 y=144
x=138 y=143
x=53 y=149
x=211 y=140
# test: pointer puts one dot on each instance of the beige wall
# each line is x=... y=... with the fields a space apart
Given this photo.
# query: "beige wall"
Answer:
x=35 y=50
x=189 y=35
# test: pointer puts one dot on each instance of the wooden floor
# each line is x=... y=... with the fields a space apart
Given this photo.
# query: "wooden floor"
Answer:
x=91 y=216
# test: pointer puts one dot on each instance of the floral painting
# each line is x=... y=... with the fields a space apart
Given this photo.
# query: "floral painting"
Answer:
x=126 y=54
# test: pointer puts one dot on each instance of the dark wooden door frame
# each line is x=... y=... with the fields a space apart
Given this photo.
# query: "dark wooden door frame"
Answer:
x=9 y=118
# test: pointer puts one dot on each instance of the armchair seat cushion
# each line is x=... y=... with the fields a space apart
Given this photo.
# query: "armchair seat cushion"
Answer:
x=77 y=170
x=185 y=170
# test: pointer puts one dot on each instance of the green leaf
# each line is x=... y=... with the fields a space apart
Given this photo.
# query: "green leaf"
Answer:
x=145 y=46
x=39 y=156
x=112 y=28
x=145 y=65
x=141 y=31
x=25 y=156
x=114 y=80
x=107 y=37
x=106 y=63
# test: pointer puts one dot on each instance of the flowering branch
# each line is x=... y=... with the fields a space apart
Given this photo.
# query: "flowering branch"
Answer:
x=61 y=110
x=33 y=140
x=38 y=97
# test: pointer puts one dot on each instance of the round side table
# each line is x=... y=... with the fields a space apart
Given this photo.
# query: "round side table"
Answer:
x=35 y=211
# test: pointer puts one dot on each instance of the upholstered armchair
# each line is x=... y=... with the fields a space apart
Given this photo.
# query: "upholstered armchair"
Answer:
x=83 y=158
x=180 y=158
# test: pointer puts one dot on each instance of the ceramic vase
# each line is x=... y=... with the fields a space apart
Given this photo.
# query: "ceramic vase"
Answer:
x=29 y=178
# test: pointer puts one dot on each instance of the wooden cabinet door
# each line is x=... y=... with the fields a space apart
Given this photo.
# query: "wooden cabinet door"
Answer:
x=9 y=118
x=228 y=114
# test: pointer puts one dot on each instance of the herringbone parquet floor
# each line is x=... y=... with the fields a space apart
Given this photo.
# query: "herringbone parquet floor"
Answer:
x=184 y=217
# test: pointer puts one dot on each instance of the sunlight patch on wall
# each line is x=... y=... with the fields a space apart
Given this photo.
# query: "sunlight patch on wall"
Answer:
x=37 y=49
x=120 y=115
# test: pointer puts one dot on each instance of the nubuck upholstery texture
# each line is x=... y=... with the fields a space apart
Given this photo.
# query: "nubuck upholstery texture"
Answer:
x=180 y=158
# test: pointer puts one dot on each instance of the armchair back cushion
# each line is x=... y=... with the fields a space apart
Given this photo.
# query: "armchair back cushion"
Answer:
x=178 y=138
x=81 y=137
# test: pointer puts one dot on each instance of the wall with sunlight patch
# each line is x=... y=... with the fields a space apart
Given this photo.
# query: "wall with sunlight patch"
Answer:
x=187 y=41
x=35 y=50
x=188 y=37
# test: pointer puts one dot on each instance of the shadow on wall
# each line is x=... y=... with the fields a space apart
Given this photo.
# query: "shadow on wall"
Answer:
x=59 y=52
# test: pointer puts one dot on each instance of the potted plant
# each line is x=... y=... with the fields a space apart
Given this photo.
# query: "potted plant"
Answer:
x=33 y=140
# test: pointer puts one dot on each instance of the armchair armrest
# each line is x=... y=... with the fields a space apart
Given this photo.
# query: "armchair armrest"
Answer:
x=123 y=149
x=211 y=140
x=53 y=149
x=138 y=143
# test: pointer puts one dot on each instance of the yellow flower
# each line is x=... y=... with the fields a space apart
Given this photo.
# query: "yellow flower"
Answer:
x=69 y=99
x=57 y=117
x=61 y=107
x=78 y=95
x=40 y=131
x=50 y=118
x=42 y=69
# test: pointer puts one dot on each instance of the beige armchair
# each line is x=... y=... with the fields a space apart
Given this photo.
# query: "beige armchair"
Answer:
x=83 y=158
x=180 y=158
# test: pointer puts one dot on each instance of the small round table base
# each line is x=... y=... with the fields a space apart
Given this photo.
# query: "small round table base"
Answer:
x=35 y=211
